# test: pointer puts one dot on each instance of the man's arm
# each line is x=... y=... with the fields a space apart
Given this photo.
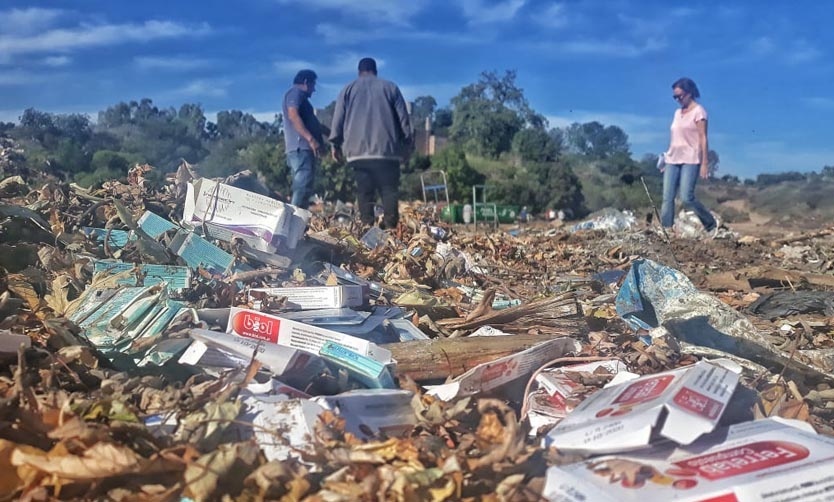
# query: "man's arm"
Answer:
x=404 y=120
x=298 y=124
x=337 y=127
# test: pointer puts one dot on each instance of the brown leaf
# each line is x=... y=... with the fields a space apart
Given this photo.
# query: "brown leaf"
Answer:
x=102 y=460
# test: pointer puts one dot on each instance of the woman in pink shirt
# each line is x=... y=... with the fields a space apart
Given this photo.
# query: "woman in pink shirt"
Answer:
x=687 y=155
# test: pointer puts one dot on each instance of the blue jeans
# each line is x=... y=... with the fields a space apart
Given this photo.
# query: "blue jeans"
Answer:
x=302 y=164
x=683 y=176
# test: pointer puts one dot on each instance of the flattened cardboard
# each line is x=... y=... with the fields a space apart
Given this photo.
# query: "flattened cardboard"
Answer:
x=375 y=411
x=275 y=329
x=488 y=376
x=761 y=461
x=313 y=297
x=625 y=416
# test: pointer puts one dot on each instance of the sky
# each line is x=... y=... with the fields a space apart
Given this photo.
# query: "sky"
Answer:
x=765 y=69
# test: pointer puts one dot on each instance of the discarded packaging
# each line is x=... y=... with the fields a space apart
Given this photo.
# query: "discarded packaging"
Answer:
x=625 y=416
x=488 y=376
x=373 y=412
x=226 y=212
x=177 y=279
x=312 y=297
x=363 y=369
x=274 y=329
x=765 y=460
x=560 y=390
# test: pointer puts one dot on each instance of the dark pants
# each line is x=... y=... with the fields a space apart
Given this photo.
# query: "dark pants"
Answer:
x=377 y=175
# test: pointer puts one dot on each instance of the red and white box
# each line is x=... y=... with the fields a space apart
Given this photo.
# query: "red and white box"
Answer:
x=298 y=335
x=764 y=461
x=626 y=416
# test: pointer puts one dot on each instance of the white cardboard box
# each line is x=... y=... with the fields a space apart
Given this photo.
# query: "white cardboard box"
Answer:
x=274 y=329
x=624 y=416
x=551 y=401
x=366 y=412
x=762 y=461
x=226 y=211
x=488 y=376
x=312 y=297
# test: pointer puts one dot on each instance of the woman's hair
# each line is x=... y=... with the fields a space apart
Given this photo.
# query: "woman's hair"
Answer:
x=687 y=86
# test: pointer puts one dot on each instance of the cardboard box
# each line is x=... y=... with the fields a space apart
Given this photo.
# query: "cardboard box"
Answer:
x=365 y=370
x=625 y=416
x=312 y=297
x=371 y=412
x=555 y=397
x=274 y=329
x=488 y=376
x=177 y=279
x=226 y=212
x=222 y=350
x=765 y=460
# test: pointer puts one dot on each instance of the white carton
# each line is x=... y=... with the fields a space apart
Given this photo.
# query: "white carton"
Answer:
x=227 y=212
x=371 y=412
x=298 y=335
x=765 y=460
x=312 y=297
x=624 y=416
x=555 y=396
x=488 y=376
x=222 y=350
x=283 y=427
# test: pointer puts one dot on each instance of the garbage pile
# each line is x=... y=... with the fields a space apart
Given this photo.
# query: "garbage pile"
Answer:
x=201 y=340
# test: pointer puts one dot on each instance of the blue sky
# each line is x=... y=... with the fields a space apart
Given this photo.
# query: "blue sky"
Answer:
x=765 y=72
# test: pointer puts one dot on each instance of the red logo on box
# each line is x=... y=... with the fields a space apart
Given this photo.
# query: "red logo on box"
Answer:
x=644 y=390
x=699 y=404
x=257 y=326
x=745 y=459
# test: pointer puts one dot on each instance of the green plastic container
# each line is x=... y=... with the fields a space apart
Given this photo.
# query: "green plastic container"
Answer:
x=454 y=213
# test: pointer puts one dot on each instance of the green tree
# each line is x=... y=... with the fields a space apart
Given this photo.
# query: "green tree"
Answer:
x=596 y=140
x=489 y=113
x=460 y=176
x=534 y=145
x=442 y=121
x=422 y=109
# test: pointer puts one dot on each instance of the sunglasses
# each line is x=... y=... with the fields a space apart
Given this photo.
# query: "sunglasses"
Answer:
x=678 y=97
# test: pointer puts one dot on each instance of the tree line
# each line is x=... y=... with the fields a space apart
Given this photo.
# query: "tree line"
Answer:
x=495 y=138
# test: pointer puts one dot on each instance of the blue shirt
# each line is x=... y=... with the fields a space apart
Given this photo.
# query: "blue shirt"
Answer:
x=296 y=98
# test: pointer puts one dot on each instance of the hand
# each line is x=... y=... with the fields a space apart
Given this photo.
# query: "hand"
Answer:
x=314 y=146
x=336 y=154
x=704 y=171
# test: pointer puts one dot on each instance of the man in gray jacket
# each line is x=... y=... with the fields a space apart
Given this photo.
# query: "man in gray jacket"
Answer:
x=372 y=130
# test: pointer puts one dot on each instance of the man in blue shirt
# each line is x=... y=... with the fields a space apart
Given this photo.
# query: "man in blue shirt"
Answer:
x=302 y=136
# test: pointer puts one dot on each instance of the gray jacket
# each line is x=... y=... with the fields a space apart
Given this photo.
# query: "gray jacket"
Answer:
x=371 y=120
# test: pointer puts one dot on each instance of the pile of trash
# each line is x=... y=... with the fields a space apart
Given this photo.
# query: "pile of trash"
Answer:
x=202 y=340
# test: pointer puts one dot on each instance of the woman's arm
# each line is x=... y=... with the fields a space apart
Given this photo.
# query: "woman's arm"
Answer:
x=702 y=133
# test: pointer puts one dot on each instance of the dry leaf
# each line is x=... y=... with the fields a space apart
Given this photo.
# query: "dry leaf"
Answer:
x=102 y=460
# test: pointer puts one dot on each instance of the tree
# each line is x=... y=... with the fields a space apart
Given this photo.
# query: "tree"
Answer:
x=422 y=109
x=489 y=113
x=460 y=176
x=442 y=121
x=712 y=162
x=596 y=140
x=534 y=145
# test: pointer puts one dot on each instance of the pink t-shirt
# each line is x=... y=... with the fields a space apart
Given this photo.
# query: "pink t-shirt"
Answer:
x=685 y=146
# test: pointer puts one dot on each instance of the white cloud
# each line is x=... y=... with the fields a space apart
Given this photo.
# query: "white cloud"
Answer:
x=85 y=36
x=335 y=34
x=390 y=11
x=643 y=130
x=440 y=91
x=170 y=63
x=29 y=20
x=338 y=65
x=777 y=156
x=554 y=16
x=56 y=61
x=796 y=51
x=819 y=102
x=19 y=77
x=610 y=48
x=482 y=11
x=204 y=88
